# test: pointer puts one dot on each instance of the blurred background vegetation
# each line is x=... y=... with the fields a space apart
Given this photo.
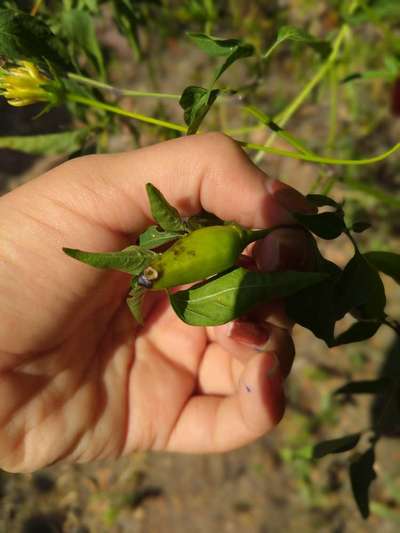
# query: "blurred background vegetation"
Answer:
x=352 y=111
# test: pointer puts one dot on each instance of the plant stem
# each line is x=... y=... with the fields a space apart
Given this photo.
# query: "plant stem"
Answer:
x=119 y=92
x=255 y=235
x=36 y=6
x=119 y=111
x=283 y=117
x=320 y=159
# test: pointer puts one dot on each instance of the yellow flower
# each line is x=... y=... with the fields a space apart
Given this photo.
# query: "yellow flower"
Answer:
x=24 y=85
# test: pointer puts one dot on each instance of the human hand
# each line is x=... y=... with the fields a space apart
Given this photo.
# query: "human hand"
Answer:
x=79 y=379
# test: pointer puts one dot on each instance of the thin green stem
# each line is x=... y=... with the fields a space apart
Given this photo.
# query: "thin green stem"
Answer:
x=333 y=103
x=123 y=112
x=320 y=159
x=117 y=91
x=285 y=135
x=255 y=235
x=282 y=118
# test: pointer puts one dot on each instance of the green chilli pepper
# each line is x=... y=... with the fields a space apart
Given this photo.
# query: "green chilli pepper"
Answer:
x=202 y=253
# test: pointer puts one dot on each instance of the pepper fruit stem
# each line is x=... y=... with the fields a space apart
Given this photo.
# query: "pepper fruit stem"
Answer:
x=255 y=235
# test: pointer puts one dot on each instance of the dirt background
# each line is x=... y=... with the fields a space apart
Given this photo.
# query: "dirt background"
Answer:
x=266 y=487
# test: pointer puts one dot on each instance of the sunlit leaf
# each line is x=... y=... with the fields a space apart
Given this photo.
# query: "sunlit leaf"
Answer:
x=131 y=260
x=230 y=295
x=164 y=213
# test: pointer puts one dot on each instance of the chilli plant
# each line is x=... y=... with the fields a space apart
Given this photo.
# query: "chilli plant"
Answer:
x=52 y=54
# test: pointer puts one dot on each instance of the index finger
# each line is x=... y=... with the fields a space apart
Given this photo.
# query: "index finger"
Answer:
x=207 y=171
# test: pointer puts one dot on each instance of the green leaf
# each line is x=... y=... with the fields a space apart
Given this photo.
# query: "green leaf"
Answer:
x=372 y=386
x=213 y=46
x=230 y=295
x=325 y=225
x=25 y=37
x=242 y=51
x=129 y=16
x=164 y=214
x=131 y=260
x=357 y=332
x=360 y=227
x=314 y=307
x=386 y=262
x=196 y=103
x=77 y=26
x=296 y=34
x=232 y=49
x=135 y=300
x=203 y=219
x=153 y=237
x=360 y=287
x=342 y=444
x=320 y=200
x=362 y=474
x=50 y=143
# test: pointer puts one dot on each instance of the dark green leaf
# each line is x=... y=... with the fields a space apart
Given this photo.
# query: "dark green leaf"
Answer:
x=320 y=200
x=131 y=260
x=314 y=307
x=357 y=332
x=359 y=227
x=230 y=295
x=214 y=47
x=135 y=300
x=51 y=143
x=296 y=34
x=343 y=444
x=360 y=287
x=196 y=103
x=164 y=214
x=362 y=474
x=77 y=26
x=153 y=237
x=386 y=262
x=203 y=219
x=26 y=37
x=373 y=386
x=242 y=51
x=128 y=16
x=325 y=225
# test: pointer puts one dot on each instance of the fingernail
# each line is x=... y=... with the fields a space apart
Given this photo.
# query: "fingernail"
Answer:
x=284 y=249
x=249 y=333
x=288 y=197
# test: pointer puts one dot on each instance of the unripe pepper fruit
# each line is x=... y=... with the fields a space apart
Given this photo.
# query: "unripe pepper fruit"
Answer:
x=202 y=253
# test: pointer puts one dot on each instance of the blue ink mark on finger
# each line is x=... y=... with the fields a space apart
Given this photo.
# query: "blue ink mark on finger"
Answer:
x=248 y=388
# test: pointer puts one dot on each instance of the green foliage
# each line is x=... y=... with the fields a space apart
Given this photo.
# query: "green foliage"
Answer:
x=77 y=28
x=196 y=102
x=131 y=260
x=25 y=37
x=360 y=288
x=342 y=444
x=163 y=213
x=386 y=262
x=291 y=33
x=153 y=237
x=362 y=474
x=372 y=386
x=231 y=295
x=50 y=143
